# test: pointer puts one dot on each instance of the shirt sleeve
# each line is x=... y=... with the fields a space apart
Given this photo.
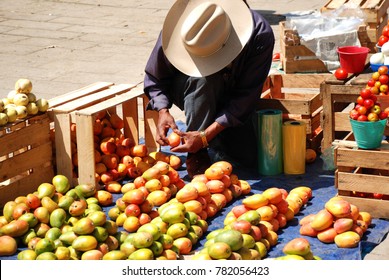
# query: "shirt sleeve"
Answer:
x=249 y=72
x=158 y=76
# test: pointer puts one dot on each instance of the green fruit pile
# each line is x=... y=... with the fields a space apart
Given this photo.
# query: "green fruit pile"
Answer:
x=21 y=103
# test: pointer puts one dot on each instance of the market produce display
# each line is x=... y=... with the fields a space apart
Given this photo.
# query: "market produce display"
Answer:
x=20 y=103
x=339 y=222
x=250 y=229
x=367 y=108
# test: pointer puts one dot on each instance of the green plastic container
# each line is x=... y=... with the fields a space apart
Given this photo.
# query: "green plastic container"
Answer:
x=368 y=135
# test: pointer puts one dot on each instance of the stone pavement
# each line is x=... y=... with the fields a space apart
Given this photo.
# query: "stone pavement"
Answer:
x=63 y=45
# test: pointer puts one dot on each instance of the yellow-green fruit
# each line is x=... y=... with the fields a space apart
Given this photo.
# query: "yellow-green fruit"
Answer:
x=84 y=243
x=26 y=255
x=23 y=85
x=142 y=254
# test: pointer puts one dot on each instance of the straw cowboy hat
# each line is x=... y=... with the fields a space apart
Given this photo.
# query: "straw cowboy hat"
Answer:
x=201 y=37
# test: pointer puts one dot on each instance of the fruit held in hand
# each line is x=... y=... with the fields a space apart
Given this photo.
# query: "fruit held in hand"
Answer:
x=174 y=139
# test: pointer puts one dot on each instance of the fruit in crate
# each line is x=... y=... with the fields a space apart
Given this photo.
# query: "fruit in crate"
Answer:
x=21 y=103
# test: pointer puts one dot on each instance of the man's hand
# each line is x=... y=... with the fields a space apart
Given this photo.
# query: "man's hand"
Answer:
x=191 y=142
x=165 y=122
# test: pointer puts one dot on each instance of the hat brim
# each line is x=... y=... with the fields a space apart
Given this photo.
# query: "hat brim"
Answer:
x=195 y=66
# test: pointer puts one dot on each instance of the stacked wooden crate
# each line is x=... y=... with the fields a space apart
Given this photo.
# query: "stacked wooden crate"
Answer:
x=26 y=158
x=79 y=108
x=375 y=13
x=298 y=97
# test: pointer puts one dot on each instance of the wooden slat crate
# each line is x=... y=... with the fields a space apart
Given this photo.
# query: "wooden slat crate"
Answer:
x=298 y=97
x=362 y=173
x=339 y=98
x=26 y=158
x=63 y=111
x=129 y=103
x=375 y=14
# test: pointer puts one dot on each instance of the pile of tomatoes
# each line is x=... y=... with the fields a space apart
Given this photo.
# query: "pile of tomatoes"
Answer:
x=384 y=37
x=367 y=108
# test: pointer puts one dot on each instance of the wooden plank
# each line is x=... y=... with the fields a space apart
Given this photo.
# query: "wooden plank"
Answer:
x=377 y=208
x=363 y=183
x=92 y=99
x=26 y=184
x=63 y=147
x=376 y=159
x=25 y=161
x=75 y=94
x=335 y=4
x=32 y=135
x=86 y=156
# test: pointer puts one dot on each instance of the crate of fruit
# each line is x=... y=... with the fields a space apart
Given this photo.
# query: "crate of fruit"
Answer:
x=362 y=176
x=298 y=97
x=26 y=157
x=69 y=112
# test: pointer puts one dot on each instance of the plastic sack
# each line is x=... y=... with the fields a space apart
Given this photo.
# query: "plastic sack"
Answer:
x=323 y=32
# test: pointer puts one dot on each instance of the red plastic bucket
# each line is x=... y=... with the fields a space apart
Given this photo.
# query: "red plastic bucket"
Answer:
x=353 y=58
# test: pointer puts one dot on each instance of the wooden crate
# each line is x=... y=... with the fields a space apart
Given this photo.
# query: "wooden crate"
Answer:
x=339 y=98
x=101 y=95
x=297 y=58
x=375 y=14
x=26 y=158
x=298 y=97
x=360 y=174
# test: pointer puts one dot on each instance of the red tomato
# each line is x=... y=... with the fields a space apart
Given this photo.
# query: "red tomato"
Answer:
x=384 y=79
x=385 y=31
x=371 y=82
x=365 y=93
x=382 y=40
x=341 y=74
x=383 y=69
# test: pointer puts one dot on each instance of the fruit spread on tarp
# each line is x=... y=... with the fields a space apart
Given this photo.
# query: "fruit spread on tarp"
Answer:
x=321 y=182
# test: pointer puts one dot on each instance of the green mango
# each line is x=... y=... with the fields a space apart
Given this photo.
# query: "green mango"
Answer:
x=85 y=190
x=100 y=233
x=61 y=183
x=68 y=237
x=54 y=233
x=44 y=245
x=142 y=254
x=65 y=202
x=57 y=217
x=8 y=210
x=98 y=218
x=251 y=216
x=27 y=255
x=30 y=219
x=46 y=190
x=47 y=256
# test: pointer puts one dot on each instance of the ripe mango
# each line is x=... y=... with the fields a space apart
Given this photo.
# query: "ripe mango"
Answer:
x=188 y=192
x=322 y=220
x=338 y=207
x=83 y=226
x=232 y=237
x=84 y=243
x=297 y=246
x=15 y=228
x=343 y=224
x=8 y=245
x=46 y=190
x=348 y=239
x=8 y=210
x=142 y=254
x=115 y=255
x=327 y=235
x=151 y=173
x=255 y=201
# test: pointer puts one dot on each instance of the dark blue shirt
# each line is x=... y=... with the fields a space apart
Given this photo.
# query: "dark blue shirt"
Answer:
x=248 y=73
